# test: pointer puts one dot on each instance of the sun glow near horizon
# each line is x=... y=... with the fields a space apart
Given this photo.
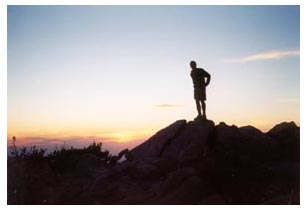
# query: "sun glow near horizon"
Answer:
x=121 y=73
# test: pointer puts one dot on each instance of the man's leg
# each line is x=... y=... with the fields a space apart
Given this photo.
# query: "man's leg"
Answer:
x=203 y=104
x=198 y=107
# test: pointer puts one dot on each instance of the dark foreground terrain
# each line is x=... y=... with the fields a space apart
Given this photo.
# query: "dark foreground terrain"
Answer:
x=185 y=163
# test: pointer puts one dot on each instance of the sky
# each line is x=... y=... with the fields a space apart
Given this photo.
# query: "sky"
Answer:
x=121 y=73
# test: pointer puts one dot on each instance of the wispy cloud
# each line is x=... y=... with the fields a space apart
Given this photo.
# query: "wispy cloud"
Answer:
x=288 y=100
x=275 y=54
x=167 y=105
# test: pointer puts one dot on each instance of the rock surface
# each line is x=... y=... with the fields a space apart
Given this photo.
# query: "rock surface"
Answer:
x=155 y=146
x=195 y=163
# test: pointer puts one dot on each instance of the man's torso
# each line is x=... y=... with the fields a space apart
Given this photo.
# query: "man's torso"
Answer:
x=198 y=76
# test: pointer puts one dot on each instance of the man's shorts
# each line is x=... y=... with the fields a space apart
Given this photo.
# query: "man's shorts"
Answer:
x=200 y=94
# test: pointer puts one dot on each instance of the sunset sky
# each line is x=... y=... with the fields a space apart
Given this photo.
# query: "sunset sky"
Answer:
x=122 y=72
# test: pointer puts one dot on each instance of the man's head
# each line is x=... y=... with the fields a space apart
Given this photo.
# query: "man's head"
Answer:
x=193 y=64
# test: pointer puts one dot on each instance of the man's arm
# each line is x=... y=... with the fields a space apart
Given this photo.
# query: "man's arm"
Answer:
x=208 y=76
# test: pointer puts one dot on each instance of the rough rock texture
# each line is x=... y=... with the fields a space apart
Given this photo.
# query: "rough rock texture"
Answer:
x=190 y=145
x=193 y=163
x=154 y=146
x=199 y=163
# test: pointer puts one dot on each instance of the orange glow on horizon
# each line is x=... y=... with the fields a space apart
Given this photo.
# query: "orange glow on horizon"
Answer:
x=120 y=135
x=25 y=137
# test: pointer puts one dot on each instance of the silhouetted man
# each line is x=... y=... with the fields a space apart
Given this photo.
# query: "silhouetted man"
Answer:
x=201 y=80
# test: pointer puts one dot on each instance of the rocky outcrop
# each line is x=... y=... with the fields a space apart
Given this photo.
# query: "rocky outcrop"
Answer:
x=155 y=146
x=180 y=142
x=191 y=144
x=200 y=163
x=194 y=162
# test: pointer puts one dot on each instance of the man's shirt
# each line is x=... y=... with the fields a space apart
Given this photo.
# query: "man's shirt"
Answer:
x=198 y=76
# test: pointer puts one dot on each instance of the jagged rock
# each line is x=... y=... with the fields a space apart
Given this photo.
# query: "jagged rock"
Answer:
x=146 y=169
x=253 y=137
x=124 y=168
x=181 y=142
x=177 y=177
x=254 y=143
x=154 y=146
x=227 y=140
x=183 y=186
x=190 y=144
x=286 y=141
x=252 y=133
x=240 y=147
x=285 y=131
x=178 y=166
x=225 y=134
x=166 y=165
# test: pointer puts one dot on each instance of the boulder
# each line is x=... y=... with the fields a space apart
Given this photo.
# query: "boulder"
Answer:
x=285 y=131
x=154 y=146
x=227 y=141
x=146 y=169
x=286 y=141
x=190 y=144
x=183 y=186
x=240 y=147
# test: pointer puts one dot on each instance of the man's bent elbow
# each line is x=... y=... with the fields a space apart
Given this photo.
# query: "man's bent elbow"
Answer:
x=208 y=80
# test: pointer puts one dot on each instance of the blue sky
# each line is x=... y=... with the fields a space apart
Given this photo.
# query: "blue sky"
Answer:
x=105 y=70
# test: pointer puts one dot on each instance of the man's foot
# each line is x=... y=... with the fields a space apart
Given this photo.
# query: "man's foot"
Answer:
x=198 y=117
x=204 y=117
